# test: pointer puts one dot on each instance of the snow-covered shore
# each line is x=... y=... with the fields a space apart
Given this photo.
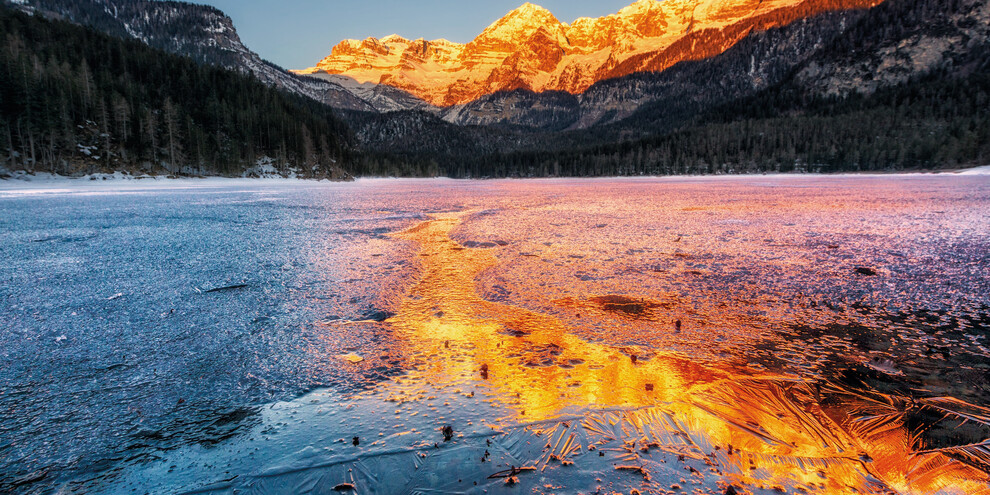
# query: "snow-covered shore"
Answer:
x=984 y=170
x=44 y=183
x=21 y=183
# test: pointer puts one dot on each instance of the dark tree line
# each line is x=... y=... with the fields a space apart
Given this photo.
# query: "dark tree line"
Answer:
x=73 y=101
x=935 y=122
x=941 y=120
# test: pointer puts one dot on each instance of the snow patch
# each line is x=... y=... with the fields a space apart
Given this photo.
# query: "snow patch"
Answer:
x=86 y=150
x=984 y=170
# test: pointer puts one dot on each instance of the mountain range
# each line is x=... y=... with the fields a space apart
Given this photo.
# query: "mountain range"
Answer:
x=528 y=69
x=531 y=49
x=530 y=84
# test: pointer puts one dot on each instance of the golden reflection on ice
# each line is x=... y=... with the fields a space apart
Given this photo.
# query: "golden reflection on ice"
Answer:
x=761 y=431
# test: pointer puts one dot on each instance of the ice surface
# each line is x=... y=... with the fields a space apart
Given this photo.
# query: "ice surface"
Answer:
x=230 y=336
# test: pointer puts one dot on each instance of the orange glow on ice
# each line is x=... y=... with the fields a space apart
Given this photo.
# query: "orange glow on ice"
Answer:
x=761 y=430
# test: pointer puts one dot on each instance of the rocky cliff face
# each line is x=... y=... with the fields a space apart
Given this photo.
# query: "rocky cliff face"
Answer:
x=754 y=63
x=197 y=31
x=530 y=49
x=903 y=44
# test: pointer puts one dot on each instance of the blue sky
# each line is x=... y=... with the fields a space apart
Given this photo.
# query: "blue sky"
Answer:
x=298 y=33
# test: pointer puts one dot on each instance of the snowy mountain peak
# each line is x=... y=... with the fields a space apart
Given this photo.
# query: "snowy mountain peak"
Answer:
x=529 y=11
x=639 y=6
x=520 y=23
x=394 y=38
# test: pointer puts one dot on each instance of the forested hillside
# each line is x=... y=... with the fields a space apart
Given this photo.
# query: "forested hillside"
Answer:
x=75 y=101
x=932 y=123
x=938 y=121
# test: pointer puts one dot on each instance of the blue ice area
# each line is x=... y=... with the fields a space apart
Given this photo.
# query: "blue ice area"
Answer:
x=135 y=321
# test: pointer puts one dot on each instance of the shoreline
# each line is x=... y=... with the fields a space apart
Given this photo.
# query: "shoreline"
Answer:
x=123 y=182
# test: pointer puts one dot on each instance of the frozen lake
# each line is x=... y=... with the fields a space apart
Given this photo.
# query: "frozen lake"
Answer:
x=804 y=334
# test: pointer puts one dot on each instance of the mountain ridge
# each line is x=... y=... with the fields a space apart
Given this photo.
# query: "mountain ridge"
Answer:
x=529 y=48
x=205 y=34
